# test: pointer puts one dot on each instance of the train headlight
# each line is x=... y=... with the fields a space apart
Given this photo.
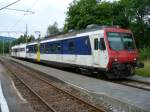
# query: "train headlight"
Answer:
x=134 y=59
x=115 y=59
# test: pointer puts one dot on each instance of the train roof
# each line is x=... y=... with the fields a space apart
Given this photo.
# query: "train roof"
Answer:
x=32 y=43
x=14 y=47
x=82 y=32
x=74 y=34
x=19 y=46
x=71 y=34
x=69 y=37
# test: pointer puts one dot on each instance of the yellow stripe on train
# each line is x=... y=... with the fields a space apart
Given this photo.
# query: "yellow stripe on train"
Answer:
x=38 y=53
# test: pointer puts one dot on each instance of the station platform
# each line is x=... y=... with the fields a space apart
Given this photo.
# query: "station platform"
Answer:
x=126 y=98
x=10 y=98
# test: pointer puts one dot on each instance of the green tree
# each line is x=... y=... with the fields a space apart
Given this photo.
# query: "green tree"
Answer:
x=31 y=38
x=53 y=29
x=6 y=47
x=131 y=14
x=80 y=14
x=23 y=39
x=141 y=13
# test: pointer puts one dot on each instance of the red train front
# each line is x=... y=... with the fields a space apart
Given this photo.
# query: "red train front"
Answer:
x=122 y=52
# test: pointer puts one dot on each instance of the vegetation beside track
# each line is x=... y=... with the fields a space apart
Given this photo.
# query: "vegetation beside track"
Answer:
x=145 y=57
x=146 y=70
x=144 y=53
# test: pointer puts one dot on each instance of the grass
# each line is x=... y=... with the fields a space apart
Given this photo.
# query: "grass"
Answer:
x=146 y=70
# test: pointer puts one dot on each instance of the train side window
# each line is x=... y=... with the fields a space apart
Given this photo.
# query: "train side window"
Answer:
x=86 y=41
x=71 y=46
x=23 y=49
x=42 y=46
x=58 y=47
x=27 y=49
x=31 y=49
x=102 y=44
x=46 y=47
x=53 y=47
x=34 y=48
x=96 y=44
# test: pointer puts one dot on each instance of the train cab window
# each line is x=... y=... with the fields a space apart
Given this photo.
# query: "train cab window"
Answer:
x=96 y=44
x=71 y=46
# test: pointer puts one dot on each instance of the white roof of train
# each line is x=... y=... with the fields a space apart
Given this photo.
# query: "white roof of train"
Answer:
x=77 y=35
x=84 y=33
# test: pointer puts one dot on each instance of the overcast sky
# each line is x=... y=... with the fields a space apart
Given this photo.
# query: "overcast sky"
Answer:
x=46 y=12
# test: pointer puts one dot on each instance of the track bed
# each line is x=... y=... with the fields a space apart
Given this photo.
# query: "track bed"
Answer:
x=53 y=97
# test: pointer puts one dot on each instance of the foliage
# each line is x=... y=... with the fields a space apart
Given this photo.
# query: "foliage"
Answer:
x=80 y=14
x=145 y=53
x=144 y=71
x=53 y=29
x=6 y=46
x=23 y=39
x=131 y=14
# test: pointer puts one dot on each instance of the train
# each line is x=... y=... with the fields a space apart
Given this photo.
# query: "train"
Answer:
x=110 y=50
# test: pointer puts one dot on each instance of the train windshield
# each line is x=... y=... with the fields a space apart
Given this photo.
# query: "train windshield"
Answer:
x=120 y=41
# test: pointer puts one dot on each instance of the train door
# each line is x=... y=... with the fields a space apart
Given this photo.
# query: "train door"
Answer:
x=96 y=54
x=100 y=54
x=103 y=53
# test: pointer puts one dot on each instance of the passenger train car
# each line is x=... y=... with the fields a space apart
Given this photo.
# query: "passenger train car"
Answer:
x=111 y=50
x=19 y=51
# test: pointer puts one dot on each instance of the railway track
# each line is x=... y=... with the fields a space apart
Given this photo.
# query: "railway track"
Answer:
x=55 y=98
x=127 y=82
x=135 y=83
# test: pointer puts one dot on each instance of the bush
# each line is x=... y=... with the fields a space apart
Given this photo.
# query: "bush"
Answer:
x=145 y=53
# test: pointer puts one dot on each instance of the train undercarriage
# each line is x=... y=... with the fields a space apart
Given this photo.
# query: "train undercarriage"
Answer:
x=123 y=70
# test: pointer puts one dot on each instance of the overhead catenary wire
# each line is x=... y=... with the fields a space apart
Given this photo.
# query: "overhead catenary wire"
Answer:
x=5 y=7
x=18 y=21
x=9 y=5
x=21 y=10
